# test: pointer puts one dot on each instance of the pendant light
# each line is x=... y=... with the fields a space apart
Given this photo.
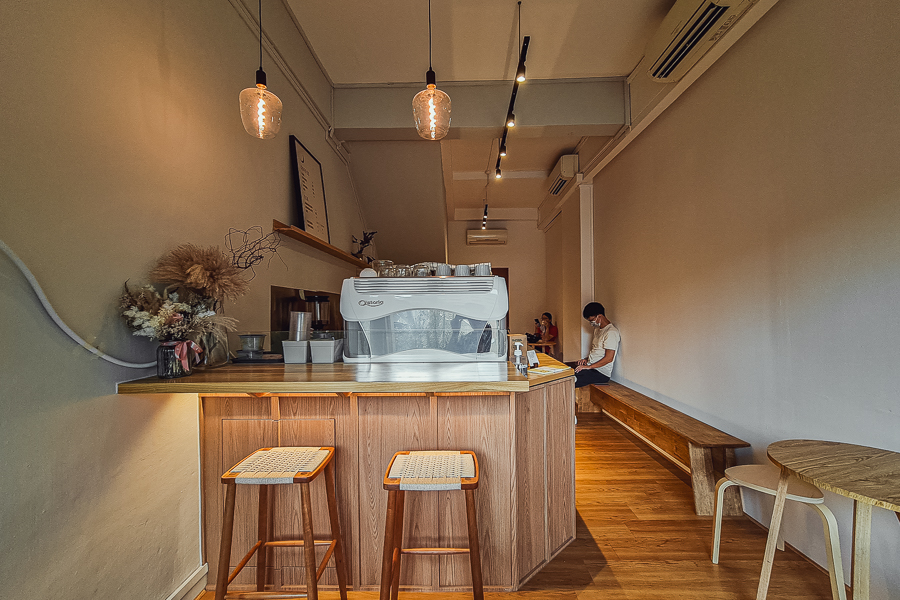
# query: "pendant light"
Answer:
x=431 y=106
x=260 y=108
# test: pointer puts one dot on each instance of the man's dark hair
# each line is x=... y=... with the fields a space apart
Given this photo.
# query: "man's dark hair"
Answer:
x=592 y=309
x=549 y=316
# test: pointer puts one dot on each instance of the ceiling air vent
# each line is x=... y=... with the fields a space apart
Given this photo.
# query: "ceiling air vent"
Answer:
x=687 y=32
x=486 y=237
x=564 y=171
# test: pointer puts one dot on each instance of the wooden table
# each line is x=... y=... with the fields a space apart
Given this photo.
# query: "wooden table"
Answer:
x=870 y=476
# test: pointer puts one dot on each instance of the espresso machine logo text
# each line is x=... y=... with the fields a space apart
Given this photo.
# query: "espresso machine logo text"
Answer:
x=371 y=302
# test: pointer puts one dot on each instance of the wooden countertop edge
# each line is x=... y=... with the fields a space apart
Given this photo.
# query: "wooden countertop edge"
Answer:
x=152 y=385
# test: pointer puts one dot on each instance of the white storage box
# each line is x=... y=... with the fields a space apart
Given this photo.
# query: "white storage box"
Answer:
x=326 y=351
x=295 y=352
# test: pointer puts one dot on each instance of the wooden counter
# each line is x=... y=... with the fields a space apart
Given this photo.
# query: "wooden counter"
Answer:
x=349 y=377
x=522 y=431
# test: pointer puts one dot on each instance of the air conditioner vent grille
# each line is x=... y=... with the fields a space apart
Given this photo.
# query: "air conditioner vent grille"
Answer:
x=691 y=36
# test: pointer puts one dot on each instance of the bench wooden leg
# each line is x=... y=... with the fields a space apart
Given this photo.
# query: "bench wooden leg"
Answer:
x=703 y=482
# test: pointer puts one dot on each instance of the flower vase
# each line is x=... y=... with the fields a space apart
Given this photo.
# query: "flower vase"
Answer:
x=214 y=347
x=169 y=364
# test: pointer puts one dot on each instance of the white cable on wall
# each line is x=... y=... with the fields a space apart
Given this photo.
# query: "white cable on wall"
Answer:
x=52 y=313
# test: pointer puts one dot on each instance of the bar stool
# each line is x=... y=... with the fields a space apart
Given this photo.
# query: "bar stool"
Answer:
x=427 y=471
x=764 y=478
x=282 y=466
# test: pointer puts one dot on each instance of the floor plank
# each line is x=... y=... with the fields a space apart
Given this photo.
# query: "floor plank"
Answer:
x=639 y=539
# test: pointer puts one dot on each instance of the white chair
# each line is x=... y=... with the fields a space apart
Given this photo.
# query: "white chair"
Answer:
x=764 y=478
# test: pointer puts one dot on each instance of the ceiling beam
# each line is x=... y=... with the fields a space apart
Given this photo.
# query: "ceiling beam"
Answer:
x=543 y=108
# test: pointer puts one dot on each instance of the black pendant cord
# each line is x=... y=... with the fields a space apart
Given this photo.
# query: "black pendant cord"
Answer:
x=430 y=68
x=260 y=34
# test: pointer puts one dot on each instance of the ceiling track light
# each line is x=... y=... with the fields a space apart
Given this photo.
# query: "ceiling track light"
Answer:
x=497 y=173
x=484 y=219
x=510 y=120
x=260 y=108
x=502 y=149
x=431 y=106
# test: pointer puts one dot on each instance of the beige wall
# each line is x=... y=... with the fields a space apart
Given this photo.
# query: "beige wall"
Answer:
x=121 y=139
x=747 y=248
x=523 y=255
x=563 y=260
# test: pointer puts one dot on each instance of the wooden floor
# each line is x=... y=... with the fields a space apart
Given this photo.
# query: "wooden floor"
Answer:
x=639 y=539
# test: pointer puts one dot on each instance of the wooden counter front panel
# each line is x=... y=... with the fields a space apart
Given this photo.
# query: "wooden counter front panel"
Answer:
x=484 y=425
x=235 y=427
x=531 y=483
x=560 y=464
x=388 y=424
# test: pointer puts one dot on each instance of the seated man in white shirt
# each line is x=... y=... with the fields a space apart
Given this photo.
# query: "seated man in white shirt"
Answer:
x=597 y=367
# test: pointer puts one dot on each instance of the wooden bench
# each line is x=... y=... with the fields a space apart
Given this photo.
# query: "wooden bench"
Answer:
x=699 y=449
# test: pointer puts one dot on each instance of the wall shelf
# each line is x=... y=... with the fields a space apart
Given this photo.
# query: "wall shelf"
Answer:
x=295 y=233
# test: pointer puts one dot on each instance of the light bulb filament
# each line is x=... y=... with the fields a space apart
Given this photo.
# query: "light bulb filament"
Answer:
x=261 y=116
x=432 y=114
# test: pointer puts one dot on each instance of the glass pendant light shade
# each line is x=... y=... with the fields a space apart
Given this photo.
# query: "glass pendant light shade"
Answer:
x=431 y=109
x=260 y=110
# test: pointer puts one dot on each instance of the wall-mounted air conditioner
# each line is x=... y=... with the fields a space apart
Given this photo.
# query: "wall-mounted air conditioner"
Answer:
x=687 y=32
x=564 y=171
x=486 y=237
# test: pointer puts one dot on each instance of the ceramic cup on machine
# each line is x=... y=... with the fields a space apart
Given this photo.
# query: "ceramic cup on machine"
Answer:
x=462 y=271
x=483 y=270
x=442 y=270
x=381 y=266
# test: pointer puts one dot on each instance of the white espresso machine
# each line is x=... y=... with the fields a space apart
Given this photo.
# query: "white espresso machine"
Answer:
x=424 y=319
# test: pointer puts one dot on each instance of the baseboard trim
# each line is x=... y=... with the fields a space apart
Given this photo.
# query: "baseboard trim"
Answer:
x=193 y=586
x=802 y=555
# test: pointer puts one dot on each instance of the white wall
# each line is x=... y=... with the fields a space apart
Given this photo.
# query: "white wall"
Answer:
x=563 y=263
x=523 y=255
x=122 y=138
x=750 y=250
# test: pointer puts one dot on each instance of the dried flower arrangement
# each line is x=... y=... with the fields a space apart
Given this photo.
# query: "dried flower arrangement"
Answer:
x=197 y=281
x=204 y=272
x=163 y=317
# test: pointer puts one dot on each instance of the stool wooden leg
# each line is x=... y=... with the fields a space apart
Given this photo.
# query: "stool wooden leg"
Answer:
x=339 y=564
x=387 y=555
x=225 y=547
x=723 y=485
x=833 y=551
x=262 y=531
x=474 y=552
x=309 y=545
x=398 y=544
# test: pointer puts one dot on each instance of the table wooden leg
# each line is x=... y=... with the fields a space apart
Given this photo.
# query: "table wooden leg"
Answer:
x=772 y=540
x=862 y=539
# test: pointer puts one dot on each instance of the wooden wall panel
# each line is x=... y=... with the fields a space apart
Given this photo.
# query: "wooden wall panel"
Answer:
x=480 y=424
x=532 y=546
x=240 y=438
x=288 y=524
x=388 y=424
x=561 y=463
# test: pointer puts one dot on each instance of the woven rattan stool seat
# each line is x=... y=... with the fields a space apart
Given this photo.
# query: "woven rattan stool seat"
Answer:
x=432 y=470
x=278 y=465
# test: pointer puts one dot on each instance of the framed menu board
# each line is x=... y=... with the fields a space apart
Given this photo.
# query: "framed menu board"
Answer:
x=309 y=190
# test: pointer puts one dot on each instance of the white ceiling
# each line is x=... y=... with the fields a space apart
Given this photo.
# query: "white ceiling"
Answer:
x=365 y=42
x=361 y=43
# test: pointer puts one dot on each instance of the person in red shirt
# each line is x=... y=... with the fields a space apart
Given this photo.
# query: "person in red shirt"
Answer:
x=547 y=330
